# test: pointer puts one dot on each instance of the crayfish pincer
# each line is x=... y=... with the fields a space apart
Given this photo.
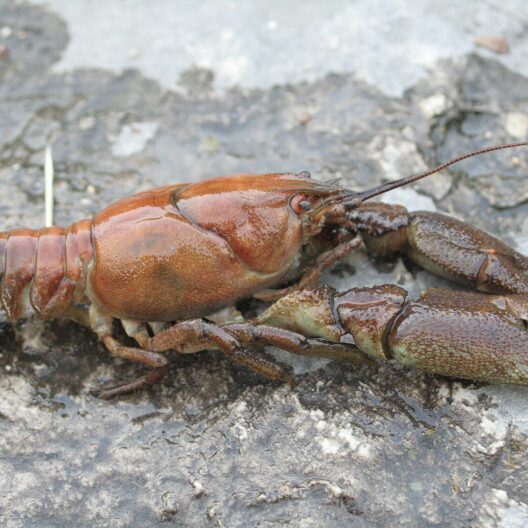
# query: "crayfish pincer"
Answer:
x=166 y=261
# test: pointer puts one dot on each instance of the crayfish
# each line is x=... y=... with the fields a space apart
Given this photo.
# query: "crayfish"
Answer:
x=164 y=262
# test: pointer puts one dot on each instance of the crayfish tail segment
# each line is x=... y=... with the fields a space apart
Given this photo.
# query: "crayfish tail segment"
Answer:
x=457 y=334
x=444 y=246
x=44 y=270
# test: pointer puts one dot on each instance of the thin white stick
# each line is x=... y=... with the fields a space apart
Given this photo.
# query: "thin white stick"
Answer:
x=49 y=174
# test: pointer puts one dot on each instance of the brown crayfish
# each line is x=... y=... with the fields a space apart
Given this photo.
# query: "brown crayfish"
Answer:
x=163 y=261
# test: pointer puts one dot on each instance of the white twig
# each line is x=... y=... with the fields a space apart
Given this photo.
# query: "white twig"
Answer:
x=49 y=174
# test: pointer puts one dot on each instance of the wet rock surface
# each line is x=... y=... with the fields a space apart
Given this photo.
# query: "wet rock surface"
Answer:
x=214 y=444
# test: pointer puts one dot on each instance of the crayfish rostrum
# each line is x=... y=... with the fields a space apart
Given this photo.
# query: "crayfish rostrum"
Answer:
x=164 y=262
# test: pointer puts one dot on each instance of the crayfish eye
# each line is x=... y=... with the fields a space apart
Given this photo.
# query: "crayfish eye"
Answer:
x=300 y=203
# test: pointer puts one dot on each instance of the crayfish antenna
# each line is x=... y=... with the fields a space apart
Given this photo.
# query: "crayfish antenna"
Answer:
x=357 y=198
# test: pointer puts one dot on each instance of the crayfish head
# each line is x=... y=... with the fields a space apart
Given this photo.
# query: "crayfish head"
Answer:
x=265 y=218
x=323 y=208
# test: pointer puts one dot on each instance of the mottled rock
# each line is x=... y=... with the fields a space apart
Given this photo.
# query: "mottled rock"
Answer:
x=215 y=445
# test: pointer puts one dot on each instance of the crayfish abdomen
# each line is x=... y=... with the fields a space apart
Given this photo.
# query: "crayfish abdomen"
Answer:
x=44 y=270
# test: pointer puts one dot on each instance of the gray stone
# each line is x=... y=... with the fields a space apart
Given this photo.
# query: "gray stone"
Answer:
x=214 y=444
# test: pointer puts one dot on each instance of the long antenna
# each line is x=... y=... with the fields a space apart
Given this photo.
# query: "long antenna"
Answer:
x=370 y=193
